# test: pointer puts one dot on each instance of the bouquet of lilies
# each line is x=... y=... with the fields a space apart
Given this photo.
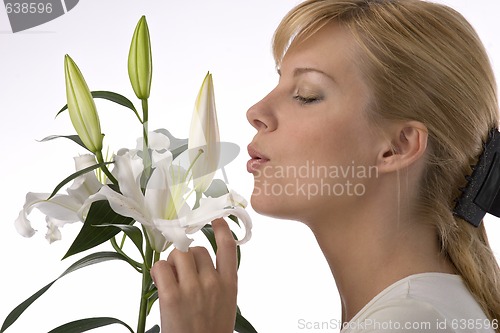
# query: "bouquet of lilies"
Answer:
x=141 y=194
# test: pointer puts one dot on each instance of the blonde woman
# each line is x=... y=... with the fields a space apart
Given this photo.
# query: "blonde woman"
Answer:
x=400 y=92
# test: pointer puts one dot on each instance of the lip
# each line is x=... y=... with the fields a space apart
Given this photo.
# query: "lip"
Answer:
x=257 y=159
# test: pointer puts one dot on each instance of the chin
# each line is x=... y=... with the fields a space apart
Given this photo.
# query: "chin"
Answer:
x=272 y=206
x=259 y=204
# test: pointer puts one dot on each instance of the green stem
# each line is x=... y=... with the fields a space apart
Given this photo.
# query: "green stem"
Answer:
x=148 y=255
x=137 y=266
x=146 y=284
x=146 y=159
x=124 y=237
x=104 y=168
x=156 y=257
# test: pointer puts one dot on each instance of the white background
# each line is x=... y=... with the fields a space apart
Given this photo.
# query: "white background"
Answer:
x=283 y=276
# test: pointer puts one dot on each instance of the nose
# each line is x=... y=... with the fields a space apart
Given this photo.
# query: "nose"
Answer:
x=262 y=115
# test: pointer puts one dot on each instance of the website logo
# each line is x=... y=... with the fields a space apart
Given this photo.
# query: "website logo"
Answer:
x=28 y=14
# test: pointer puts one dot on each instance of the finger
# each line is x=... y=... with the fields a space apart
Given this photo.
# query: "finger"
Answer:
x=163 y=276
x=184 y=265
x=203 y=260
x=226 y=258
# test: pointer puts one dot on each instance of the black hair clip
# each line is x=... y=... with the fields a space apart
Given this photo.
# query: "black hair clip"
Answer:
x=482 y=193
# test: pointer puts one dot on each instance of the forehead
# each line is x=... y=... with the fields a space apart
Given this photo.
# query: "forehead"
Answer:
x=331 y=49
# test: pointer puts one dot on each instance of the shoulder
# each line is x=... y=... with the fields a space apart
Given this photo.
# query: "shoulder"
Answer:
x=428 y=302
x=401 y=314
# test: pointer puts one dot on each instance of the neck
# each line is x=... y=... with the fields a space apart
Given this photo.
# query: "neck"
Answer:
x=368 y=249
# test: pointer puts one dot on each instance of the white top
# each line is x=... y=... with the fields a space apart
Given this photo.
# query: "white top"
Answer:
x=427 y=302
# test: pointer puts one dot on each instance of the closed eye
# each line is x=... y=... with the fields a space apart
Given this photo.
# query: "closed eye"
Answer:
x=307 y=100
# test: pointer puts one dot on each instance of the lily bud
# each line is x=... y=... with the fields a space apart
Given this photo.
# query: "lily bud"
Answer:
x=81 y=107
x=140 y=64
x=203 y=144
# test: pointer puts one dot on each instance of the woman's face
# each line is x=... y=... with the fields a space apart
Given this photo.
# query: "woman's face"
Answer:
x=313 y=148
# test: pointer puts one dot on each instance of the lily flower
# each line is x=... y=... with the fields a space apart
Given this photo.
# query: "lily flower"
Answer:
x=203 y=144
x=159 y=144
x=81 y=107
x=62 y=208
x=140 y=64
x=162 y=209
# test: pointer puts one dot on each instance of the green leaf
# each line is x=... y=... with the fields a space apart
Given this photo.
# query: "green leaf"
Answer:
x=134 y=233
x=210 y=235
x=113 y=97
x=90 y=236
x=75 y=175
x=87 y=324
x=74 y=138
x=217 y=189
x=154 y=329
x=179 y=150
x=151 y=300
x=234 y=219
x=242 y=325
x=14 y=315
x=92 y=259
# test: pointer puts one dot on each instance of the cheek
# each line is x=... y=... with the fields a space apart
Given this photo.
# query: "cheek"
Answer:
x=298 y=193
x=325 y=143
x=321 y=164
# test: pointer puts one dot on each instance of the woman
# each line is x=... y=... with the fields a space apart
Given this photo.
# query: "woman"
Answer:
x=386 y=104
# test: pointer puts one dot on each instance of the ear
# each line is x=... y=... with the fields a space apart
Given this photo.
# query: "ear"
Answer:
x=406 y=144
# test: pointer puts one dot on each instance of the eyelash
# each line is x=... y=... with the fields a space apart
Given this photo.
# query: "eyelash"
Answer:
x=306 y=100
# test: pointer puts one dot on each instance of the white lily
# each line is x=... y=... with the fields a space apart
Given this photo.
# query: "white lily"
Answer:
x=62 y=208
x=158 y=143
x=162 y=209
x=204 y=135
x=214 y=208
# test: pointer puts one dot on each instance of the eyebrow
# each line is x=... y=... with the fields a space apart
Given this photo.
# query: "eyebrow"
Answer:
x=303 y=70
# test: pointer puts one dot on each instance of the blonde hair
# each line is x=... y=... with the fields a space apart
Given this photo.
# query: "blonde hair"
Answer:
x=424 y=62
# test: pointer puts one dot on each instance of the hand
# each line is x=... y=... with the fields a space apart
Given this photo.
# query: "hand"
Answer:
x=194 y=296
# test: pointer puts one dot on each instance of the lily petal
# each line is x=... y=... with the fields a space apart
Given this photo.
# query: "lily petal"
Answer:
x=87 y=184
x=156 y=239
x=213 y=208
x=174 y=232
x=158 y=157
x=128 y=170
x=159 y=143
x=23 y=225
x=209 y=210
x=156 y=141
x=61 y=207
x=165 y=204
x=121 y=204
x=236 y=199
x=53 y=233
x=175 y=143
x=157 y=195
